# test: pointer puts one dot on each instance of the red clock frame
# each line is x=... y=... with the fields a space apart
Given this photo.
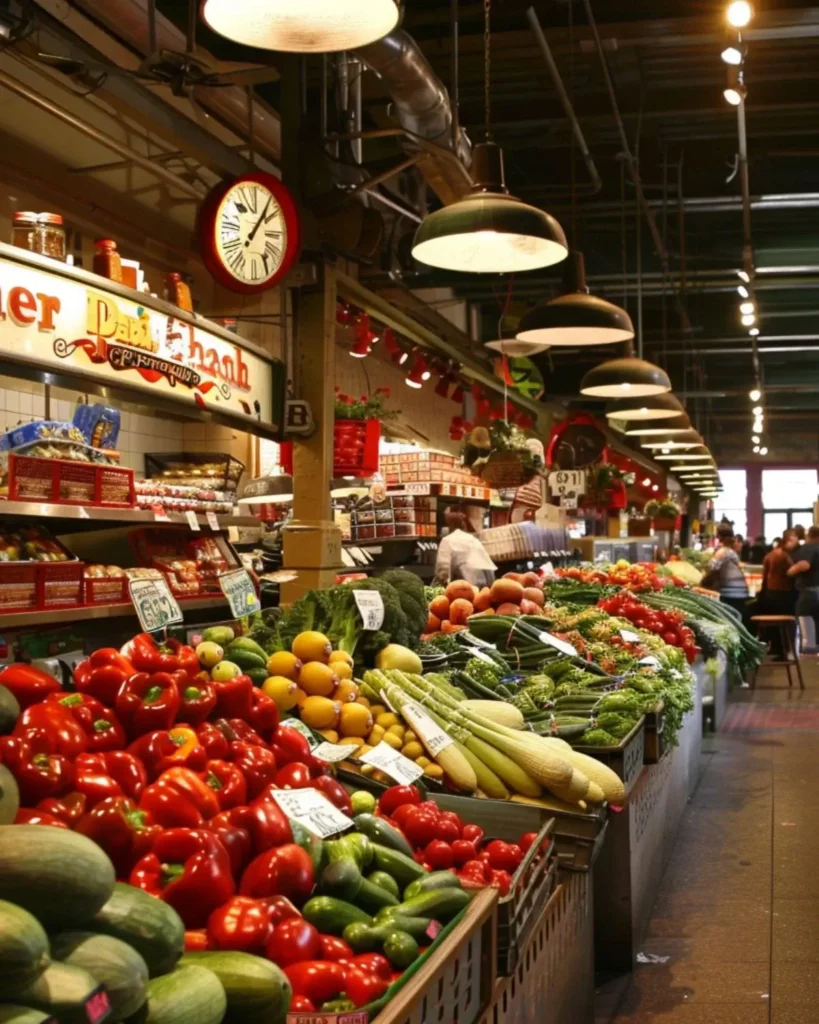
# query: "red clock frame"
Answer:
x=207 y=227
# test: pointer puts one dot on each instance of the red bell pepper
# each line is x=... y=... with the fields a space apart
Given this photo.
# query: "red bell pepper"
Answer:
x=101 y=726
x=235 y=840
x=257 y=765
x=56 y=725
x=293 y=776
x=29 y=685
x=169 y=748
x=34 y=816
x=124 y=831
x=186 y=659
x=334 y=948
x=196 y=940
x=284 y=871
x=363 y=987
x=397 y=796
x=39 y=773
x=69 y=808
x=334 y=791
x=147 y=655
x=279 y=908
x=318 y=980
x=292 y=941
x=264 y=821
x=190 y=870
x=227 y=782
x=198 y=699
x=264 y=713
x=241 y=731
x=179 y=799
x=102 y=675
x=214 y=741
x=107 y=774
x=233 y=697
x=241 y=924
x=148 y=701
x=290 y=745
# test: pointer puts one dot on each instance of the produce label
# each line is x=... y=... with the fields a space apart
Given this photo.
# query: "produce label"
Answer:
x=393 y=763
x=193 y=522
x=357 y=1017
x=559 y=645
x=237 y=586
x=432 y=736
x=299 y=726
x=333 y=752
x=154 y=604
x=213 y=521
x=312 y=810
x=371 y=605
x=629 y=636
x=651 y=661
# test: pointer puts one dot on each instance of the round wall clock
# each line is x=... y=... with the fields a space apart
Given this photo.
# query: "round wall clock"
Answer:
x=249 y=232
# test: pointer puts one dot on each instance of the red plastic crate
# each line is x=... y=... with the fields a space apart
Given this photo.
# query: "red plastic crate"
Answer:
x=355 y=448
x=106 y=590
x=59 y=584
x=76 y=483
x=65 y=482
x=18 y=586
x=32 y=479
x=115 y=487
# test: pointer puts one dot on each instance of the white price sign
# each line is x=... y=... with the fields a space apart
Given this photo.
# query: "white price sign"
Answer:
x=313 y=810
x=160 y=512
x=568 y=501
x=193 y=522
x=431 y=735
x=371 y=605
x=559 y=645
x=393 y=763
x=212 y=519
x=237 y=586
x=629 y=636
x=155 y=605
x=567 y=481
x=333 y=752
x=651 y=661
x=299 y=726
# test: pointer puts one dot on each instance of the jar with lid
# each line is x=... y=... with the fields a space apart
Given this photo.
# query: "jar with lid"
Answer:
x=24 y=230
x=107 y=261
x=52 y=236
x=177 y=291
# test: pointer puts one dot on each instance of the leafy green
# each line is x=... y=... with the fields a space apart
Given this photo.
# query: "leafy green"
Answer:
x=483 y=672
x=597 y=738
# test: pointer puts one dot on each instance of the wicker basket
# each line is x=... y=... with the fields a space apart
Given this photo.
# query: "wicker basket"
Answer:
x=506 y=469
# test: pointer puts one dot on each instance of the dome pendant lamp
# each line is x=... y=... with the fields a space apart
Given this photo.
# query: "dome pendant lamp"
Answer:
x=667 y=428
x=657 y=407
x=301 y=26
x=489 y=231
x=628 y=377
x=576 y=317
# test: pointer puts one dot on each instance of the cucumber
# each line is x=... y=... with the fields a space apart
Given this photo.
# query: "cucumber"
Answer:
x=245 y=659
x=379 y=831
x=61 y=877
x=62 y=991
x=221 y=635
x=354 y=846
x=9 y=710
x=24 y=951
x=331 y=916
x=257 y=675
x=415 y=926
x=111 y=962
x=9 y=796
x=152 y=927
x=10 y=1013
x=431 y=882
x=248 y=644
x=400 y=949
x=401 y=867
x=440 y=904
x=365 y=938
x=384 y=881
x=310 y=843
x=257 y=990
x=186 y=995
x=343 y=880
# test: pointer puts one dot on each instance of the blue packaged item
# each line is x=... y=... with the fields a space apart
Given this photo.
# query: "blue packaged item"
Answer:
x=40 y=430
x=99 y=425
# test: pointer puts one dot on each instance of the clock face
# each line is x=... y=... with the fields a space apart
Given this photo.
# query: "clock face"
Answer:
x=250 y=233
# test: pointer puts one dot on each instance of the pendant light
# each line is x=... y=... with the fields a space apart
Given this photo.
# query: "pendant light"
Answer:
x=301 y=26
x=508 y=345
x=673 y=425
x=628 y=377
x=703 y=456
x=576 y=317
x=682 y=440
x=655 y=407
x=489 y=231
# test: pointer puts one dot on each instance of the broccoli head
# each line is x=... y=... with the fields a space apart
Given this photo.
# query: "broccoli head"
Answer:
x=346 y=629
x=411 y=594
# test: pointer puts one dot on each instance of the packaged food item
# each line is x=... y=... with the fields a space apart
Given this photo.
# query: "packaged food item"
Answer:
x=30 y=544
x=98 y=424
x=40 y=430
x=107 y=261
x=177 y=291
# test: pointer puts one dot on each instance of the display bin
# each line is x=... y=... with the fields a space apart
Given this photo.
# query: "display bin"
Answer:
x=60 y=584
x=18 y=586
x=579 y=837
x=533 y=881
x=625 y=760
x=554 y=981
x=218 y=470
x=106 y=590
x=67 y=482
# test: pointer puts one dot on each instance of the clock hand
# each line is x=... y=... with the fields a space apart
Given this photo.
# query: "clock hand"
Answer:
x=258 y=222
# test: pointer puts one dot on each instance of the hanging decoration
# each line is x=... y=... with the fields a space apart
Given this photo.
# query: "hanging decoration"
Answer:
x=500 y=454
x=575 y=442
x=520 y=373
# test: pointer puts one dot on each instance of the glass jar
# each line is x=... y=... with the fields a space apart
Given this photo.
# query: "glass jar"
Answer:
x=107 y=261
x=51 y=236
x=24 y=231
x=177 y=292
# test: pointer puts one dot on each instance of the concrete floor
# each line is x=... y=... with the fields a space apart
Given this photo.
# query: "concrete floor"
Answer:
x=734 y=937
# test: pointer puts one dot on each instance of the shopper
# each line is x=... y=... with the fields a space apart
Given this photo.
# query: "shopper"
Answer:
x=725 y=575
x=800 y=533
x=461 y=556
x=778 y=595
x=758 y=551
x=806 y=570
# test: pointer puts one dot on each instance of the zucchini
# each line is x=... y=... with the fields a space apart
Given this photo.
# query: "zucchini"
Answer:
x=257 y=990
x=257 y=675
x=384 y=881
x=431 y=882
x=111 y=962
x=10 y=1013
x=343 y=880
x=379 y=831
x=186 y=995
x=402 y=868
x=415 y=926
x=220 y=635
x=9 y=797
x=354 y=846
x=331 y=916
x=400 y=949
x=9 y=710
x=440 y=904
x=24 y=953
x=365 y=938
x=62 y=991
x=245 y=643
x=61 y=877
x=152 y=927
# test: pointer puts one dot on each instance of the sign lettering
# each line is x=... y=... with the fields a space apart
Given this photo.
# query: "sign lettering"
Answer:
x=153 y=602
x=237 y=586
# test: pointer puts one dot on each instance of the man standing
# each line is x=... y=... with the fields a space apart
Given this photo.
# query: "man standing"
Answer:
x=778 y=595
x=806 y=570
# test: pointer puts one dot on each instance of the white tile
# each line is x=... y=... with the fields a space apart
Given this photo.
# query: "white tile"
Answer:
x=25 y=403
x=38 y=406
x=125 y=421
x=2 y=399
x=13 y=401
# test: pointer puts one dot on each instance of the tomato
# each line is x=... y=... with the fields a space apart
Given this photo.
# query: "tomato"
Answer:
x=527 y=839
x=463 y=851
x=671 y=638
x=502 y=881
x=501 y=856
x=438 y=854
x=303 y=1004
x=373 y=963
x=474 y=833
x=420 y=827
x=398 y=796
x=283 y=871
x=292 y=941
x=333 y=948
x=517 y=854
x=400 y=814
x=455 y=819
x=319 y=980
x=447 y=830
x=363 y=987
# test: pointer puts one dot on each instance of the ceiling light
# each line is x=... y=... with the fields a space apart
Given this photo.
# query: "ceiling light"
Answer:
x=575 y=317
x=735 y=91
x=755 y=439
x=756 y=449
x=515 y=347
x=678 y=424
x=743 y=291
x=301 y=26
x=699 y=459
x=674 y=469
x=625 y=378
x=655 y=487
x=732 y=55
x=686 y=439
x=666 y=451
x=418 y=372
x=755 y=395
x=489 y=231
x=758 y=410
x=743 y=275
x=361 y=347
x=763 y=451
x=656 y=407
x=647 y=482
x=739 y=13
x=748 y=319
x=746 y=307
x=754 y=331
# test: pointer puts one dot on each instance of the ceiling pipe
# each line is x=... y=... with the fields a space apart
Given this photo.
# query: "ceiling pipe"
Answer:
x=747 y=239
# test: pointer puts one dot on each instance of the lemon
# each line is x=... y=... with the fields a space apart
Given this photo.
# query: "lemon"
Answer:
x=434 y=771
x=376 y=735
x=422 y=762
x=312 y=646
x=283 y=663
x=341 y=656
x=377 y=709
x=397 y=730
x=342 y=669
x=363 y=702
x=355 y=720
x=409 y=736
x=412 y=750
x=301 y=696
x=329 y=734
x=320 y=712
x=281 y=689
x=317 y=679
x=347 y=691
x=392 y=740
x=387 y=719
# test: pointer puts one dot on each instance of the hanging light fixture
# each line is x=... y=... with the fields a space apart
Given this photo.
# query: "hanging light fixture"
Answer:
x=677 y=424
x=489 y=231
x=693 y=455
x=686 y=439
x=628 y=377
x=301 y=26
x=576 y=317
x=735 y=90
x=655 y=407
x=508 y=344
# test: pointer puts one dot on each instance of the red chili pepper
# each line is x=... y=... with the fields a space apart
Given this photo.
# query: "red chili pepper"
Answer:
x=293 y=941
x=257 y=764
x=233 y=698
x=316 y=979
x=241 y=924
x=186 y=659
x=293 y=776
x=190 y=870
x=373 y=963
x=102 y=674
x=284 y=871
x=179 y=747
x=334 y=948
x=148 y=656
x=179 y=799
x=438 y=854
x=110 y=773
x=34 y=816
x=69 y=808
x=264 y=713
x=398 y=796
x=227 y=782
x=122 y=830
x=214 y=741
x=334 y=791
x=198 y=699
x=56 y=724
x=148 y=701
x=29 y=685
x=363 y=987
x=39 y=773
x=196 y=941
x=101 y=726
x=290 y=745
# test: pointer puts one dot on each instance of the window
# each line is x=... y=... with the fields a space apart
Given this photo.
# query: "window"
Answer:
x=789 y=489
x=732 y=503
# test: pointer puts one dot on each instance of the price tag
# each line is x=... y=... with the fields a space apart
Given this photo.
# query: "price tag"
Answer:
x=333 y=752
x=432 y=736
x=393 y=763
x=559 y=645
x=568 y=501
x=629 y=636
x=651 y=661
x=355 y=1017
x=299 y=726
x=371 y=605
x=237 y=586
x=155 y=605
x=413 y=488
x=160 y=515
x=313 y=810
x=193 y=522
x=213 y=521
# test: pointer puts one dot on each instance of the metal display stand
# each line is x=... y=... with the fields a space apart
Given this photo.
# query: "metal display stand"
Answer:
x=640 y=838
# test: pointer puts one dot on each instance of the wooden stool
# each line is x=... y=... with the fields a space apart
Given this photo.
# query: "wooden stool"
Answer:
x=786 y=624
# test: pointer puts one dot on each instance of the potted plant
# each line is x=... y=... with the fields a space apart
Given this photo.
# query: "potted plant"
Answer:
x=501 y=455
x=665 y=514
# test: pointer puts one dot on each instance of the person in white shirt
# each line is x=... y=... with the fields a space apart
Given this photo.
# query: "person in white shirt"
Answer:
x=461 y=556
